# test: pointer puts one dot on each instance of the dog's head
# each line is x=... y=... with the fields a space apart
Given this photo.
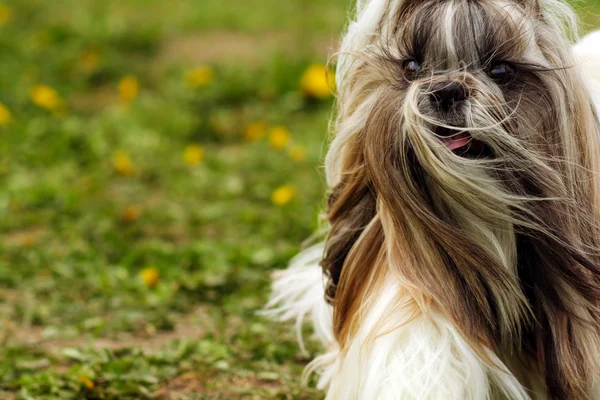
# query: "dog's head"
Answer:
x=465 y=164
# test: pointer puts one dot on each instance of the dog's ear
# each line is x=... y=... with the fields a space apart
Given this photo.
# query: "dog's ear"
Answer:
x=352 y=205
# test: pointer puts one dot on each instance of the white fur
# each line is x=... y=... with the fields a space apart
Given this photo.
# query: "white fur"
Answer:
x=588 y=52
x=299 y=292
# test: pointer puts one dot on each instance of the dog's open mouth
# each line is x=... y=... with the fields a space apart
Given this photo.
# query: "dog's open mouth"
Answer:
x=463 y=144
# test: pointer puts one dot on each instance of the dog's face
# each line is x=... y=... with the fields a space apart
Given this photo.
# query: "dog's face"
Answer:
x=465 y=164
x=471 y=123
x=467 y=67
x=484 y=79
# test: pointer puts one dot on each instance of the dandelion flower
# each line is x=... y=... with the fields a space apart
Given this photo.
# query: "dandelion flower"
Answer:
x=122 y=163
x=193 y=155
x=5 y=14
x=283 y=195
x=150 y=276
x=5 y=115
x=46 y=97
x=130 y=214
x=298 y=154
x=255 y=131
x=279 y=137
x=200 y=76
x=317 y=82
x=85 y=381
x=129 y=88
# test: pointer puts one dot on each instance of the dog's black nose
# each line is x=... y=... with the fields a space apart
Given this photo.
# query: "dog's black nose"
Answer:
x=445 y=95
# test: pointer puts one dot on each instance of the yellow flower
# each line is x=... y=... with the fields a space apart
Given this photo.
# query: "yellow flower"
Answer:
x=193 y=155
x=283 y=195
x=87 y=382
x=279 y=137
x=45 y=97
x=130 y=214
x=5 y=115
x=5 y=13
x=150 y=276
x=317 y=81
x=255 y=131
x=122 y=163
x=89 y=61
x=298 y=154
x=129 y=88
x=200 y=76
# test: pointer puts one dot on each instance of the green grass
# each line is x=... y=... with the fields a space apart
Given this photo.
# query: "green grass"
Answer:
x=76 y=319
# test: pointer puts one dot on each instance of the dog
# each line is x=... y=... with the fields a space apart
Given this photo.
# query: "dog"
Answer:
x=462 y=258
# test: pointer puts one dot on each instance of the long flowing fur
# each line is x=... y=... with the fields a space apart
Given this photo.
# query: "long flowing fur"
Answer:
x=454 y=277
x=298 y=292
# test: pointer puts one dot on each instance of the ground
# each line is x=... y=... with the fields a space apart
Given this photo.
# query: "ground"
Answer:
x=158 y=160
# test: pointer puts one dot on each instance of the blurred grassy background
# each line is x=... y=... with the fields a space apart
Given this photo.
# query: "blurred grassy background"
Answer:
x=158 y=159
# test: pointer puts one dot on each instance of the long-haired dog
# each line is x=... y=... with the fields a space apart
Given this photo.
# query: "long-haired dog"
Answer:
x=462 y=260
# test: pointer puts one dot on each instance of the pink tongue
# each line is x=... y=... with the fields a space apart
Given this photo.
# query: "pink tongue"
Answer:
x=457 y=141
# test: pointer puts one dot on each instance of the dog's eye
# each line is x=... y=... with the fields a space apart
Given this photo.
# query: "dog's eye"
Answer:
x=411 y=67
x=502 y=72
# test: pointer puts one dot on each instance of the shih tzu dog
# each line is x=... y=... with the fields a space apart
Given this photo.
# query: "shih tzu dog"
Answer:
x=462 y=260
